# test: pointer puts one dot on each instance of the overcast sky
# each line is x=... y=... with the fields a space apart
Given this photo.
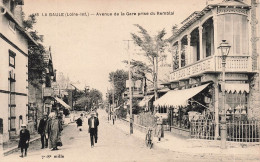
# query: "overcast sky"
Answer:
x=87 y=48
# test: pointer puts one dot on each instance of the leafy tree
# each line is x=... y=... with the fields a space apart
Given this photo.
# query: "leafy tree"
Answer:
x=118 y=80
x=174 y=50
x=89 y=99
x=153 y=50
x=36 y=65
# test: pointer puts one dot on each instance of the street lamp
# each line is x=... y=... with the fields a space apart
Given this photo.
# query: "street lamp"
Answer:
x=224 y=49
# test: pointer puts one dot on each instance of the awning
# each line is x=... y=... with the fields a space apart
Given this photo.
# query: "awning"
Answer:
x=145 y=100
x=178 y=97
x=237 y=87
x=62 y=103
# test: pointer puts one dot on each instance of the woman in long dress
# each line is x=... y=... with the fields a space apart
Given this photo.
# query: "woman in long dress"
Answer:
x=53 y=129
x=158 y=132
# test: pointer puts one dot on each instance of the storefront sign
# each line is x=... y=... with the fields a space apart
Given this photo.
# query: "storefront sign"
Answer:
x=237 y=77
x=46 y=57
x=47 y=92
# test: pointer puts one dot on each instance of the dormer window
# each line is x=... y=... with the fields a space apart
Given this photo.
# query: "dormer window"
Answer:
x=12 y=5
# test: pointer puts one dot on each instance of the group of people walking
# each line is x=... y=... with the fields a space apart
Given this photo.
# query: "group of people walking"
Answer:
x=50 y=128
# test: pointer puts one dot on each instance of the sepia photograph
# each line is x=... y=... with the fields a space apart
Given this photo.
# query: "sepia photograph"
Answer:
x=130 y=80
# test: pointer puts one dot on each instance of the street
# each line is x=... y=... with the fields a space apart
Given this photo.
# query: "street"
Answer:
x=113 y=145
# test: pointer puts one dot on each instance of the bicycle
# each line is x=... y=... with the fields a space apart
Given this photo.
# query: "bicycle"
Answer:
x=149 y=138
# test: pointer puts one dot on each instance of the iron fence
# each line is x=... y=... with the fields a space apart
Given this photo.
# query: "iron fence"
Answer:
x=202 y=129
x=243 y=131
x=237 y=131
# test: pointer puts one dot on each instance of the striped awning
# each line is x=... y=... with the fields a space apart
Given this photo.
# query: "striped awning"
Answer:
x=62 y=103
x=178 y=97
x=237 y=87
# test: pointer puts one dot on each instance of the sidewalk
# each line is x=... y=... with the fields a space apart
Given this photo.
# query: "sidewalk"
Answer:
x=177 y=144
x=12 y=145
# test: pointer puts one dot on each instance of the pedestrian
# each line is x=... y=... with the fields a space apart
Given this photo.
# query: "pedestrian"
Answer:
x=93 y=124
x=79 y=122
x=159 y=127
x=24 y=140
x=53 y=131
x=41 y=130
x=113 y=117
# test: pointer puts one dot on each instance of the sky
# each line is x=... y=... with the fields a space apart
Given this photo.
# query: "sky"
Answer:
x=87 y=48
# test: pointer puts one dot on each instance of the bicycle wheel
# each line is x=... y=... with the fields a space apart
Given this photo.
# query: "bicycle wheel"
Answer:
x=151 y=144
x=146 y=141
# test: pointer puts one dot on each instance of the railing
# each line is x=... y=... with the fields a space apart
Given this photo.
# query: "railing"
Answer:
x=234 y=63
x=237 y=131
x=202 y=129
x=213 y=64
x=243 y=131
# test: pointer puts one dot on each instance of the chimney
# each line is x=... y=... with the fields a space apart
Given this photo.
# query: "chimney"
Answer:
x=18 y=13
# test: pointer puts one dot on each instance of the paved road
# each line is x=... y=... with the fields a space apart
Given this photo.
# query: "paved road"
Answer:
x=113 y=145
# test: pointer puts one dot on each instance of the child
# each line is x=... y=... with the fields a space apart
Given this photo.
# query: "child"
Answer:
x=79 y=122
x=24 y=140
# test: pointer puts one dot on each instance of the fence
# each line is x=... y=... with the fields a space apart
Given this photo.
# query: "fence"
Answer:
x=243 y=131
x=238 y=131
x=202 y=129
x=148 y=120
x=145 y=119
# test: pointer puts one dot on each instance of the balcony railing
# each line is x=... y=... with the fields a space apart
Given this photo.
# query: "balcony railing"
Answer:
x=213 y=64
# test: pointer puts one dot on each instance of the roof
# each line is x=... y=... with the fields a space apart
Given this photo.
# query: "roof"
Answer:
x=198 y=14
x=20 y=27
x=236 y=3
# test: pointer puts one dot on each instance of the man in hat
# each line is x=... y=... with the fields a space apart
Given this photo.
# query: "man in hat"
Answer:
x=41 y=130
x=93 y=123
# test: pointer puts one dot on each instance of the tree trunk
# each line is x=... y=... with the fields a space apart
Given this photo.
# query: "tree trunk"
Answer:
x=155 y=79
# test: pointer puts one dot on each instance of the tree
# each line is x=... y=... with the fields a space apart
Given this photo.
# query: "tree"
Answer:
x=89 y=100
x=118 y=80
x=36 y=65
x=153 y=50
x=174 y=51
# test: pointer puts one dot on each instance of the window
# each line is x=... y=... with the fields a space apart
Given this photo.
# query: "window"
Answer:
x=12 y=58
x=12 y=26
x=12 y=118
x=12 y=6
x=234 y=29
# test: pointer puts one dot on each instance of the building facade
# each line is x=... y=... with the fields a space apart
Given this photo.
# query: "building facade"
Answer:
x=13 y=68
x=198 y=63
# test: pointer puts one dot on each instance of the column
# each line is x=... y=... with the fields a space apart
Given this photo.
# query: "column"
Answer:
x=179 y=52
x=215 y=26
x=189 y=50
x=200 y=35
x=216 y=100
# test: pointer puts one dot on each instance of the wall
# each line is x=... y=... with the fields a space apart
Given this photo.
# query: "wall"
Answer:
x=21 y=75
x=254 y=98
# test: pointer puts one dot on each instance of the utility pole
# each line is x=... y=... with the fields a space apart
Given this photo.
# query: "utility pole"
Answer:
x=130 y=87
x=113 y=98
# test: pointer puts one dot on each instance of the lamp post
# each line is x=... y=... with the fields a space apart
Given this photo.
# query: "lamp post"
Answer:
x=224 y=49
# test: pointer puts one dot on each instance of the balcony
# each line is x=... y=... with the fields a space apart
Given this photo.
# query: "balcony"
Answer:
x=213 y=64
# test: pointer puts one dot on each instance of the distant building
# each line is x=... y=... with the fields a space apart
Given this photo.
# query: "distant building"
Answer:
x=14 y=42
